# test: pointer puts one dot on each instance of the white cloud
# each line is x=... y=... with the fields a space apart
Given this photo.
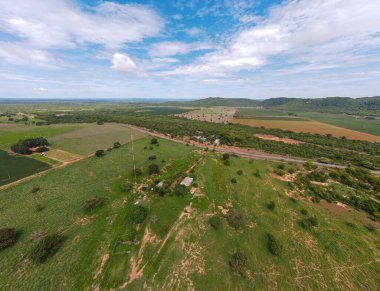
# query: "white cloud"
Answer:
x=194 y=31
x=62 y=24
x=123 y=63
x=313 y=31
x=172 y=48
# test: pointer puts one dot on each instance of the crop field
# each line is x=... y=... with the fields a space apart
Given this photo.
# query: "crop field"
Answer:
x=87 y=140
x=309 y=126
x=61 y=156
x=13 y=168
x=213 y=114
x=371 y=126
x=9 y=134
x=57 y=207
x=257 y=112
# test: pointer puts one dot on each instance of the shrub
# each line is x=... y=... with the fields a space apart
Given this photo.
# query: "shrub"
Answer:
x=309 y=222
x=154 y=141
x=126 y=187
x=324 y=160
x=304 y=212
x=274 y=246
x=35 y=189
x=237 y=262
x=152 y=157
x=233 y=180
x=226 y=163
x=370 y=227
x=271 y=205
x=137 y=213
x=257 y=174
x=116 y=145
x=234 y=218
x=240 y=172
x=46 y=247
x=180 y=190
x=281 y=167
x=225 y=156
x=137 y=172
x=153 y=169
x=8 y=237
x=99 y=153
x=39 y=207
x=93 y=203
x=99 y=122
x=214 y=221
x=42 y=149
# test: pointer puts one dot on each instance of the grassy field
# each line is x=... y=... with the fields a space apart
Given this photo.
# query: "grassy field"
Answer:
x=87 y=236
x=13 y=167
x=255 y=112
x=87 y=140
x=10 y=134
x=309 y=126
x=61 y=156
x=346 y=121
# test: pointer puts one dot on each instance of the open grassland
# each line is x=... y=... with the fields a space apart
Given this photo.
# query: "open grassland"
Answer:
x=13 y=167
x=57 y=207
x=87 y=140
x=10 y=135
x=371 y=126
x=309 y=126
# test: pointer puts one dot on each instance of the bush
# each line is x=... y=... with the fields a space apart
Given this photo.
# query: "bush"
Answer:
x=93 y=203
x=152 y=157
x=180 y=190
x=281 y=167
x=234 y=218
x=126 y=187
x=46 y=247
x=271 y=205
x=233 y=181
x=225 y=156
x=8 y=237
x=99 y=122
x=274 y=246
x=153 y=169
x=257 y=174
x=304 y=212
x=137 y=172
x=154 y=141
x=39 y=207
x=35 y=189
x=214 y=221
x=116 y=145
x=42 y=149
x=240 y=172
x=226 y=163
x=237 y=262
x=137 y=213
x=99 y=153
x=309 y=222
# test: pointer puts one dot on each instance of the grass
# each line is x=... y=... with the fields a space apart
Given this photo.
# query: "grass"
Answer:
x=61 y=156
x=9 y=135
x=14 y=167
x=87 y=140
x=44 y=159
x=309 y=126
x=88 y=237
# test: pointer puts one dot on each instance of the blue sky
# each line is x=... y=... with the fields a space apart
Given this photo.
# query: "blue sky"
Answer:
x=189 y=49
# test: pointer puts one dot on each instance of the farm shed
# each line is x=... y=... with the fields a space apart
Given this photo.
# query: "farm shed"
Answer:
x=187 y=181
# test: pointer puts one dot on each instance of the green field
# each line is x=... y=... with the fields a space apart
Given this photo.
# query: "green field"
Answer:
x=346 y=121
x=87 y=140
x=254 y=112
x=62 y=194
x=9 y=135
x=176 y=247
x=13 y=167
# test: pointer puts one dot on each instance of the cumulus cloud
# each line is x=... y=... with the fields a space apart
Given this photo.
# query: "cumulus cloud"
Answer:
x=312 y=31
x=172 y=48
x=62 y=24
x=123 y=63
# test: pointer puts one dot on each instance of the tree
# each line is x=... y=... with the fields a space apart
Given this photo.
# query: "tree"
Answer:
x=234 y=218
x=153 y=169
x=274 y=246
x=233 y=181
x=46 y=247
x=92 y=204
x=237 y=262
x=8 y=237
x=154 y=141
x=180 y=190
x=116 y=145
x=271 y=205
x=152 y=157
x=137 y=213
x=239 y=172
x=225 y=156
x=214 y=221
x=137 y=172
x=99 y=153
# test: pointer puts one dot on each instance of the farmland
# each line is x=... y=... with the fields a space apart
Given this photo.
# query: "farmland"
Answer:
x=13 y=168
x=87 y=140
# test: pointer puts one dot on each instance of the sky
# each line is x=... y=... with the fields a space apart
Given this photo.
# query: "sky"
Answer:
x=189 y=48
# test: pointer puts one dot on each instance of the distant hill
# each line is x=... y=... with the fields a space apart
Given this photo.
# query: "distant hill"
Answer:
x=217 y=101
x=328 y=104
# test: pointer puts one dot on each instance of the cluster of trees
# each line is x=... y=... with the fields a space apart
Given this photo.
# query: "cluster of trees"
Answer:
x=24 y=146
x=338 y=150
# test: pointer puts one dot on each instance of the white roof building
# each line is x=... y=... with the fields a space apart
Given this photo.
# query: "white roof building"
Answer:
x=187 y=181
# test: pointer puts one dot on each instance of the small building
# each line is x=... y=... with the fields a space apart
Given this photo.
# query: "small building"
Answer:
x=187 y=181
x=217 y=142
x=160 y=184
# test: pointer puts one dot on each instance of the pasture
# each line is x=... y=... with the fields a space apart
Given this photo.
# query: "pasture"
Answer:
x=13 y=167
x=87 y=140
x=309 y=126
x=212 y=114
x=10 y=134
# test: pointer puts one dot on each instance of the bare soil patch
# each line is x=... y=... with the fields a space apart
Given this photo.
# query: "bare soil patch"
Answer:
x=279 y=139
